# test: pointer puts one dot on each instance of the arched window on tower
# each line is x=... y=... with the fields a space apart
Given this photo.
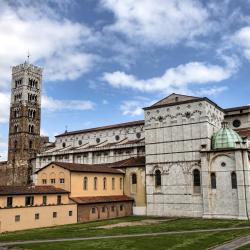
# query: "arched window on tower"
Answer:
x=15 y=144
x=157 y=178
x=196 y=181
x=234 y=180
x=213 y=180
x=16 y=129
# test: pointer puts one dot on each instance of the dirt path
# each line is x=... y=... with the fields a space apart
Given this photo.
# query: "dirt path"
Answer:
x=4 y=245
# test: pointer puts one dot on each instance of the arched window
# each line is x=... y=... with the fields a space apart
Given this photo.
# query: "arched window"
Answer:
x=121 y=182
x=85 y=183
x=113 y=183
x=30 y=144
x=234 y=180
x=196 y=181
x=157 y=178
x=104 y=183
x=95 y=183
x=213 y=181
x=134 y=179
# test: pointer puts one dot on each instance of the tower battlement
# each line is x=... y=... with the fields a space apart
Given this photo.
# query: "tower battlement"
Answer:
x=25 y=66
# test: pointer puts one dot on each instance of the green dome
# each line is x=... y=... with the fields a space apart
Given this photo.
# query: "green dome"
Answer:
x=225 y=138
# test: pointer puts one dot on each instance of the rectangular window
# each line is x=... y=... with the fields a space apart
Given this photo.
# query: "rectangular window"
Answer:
x=37 y=216
x=121 y=207
x=52 y=181
x=112 y=208
x=59 y=199
x=93 y=210
x=44 y=181
x=113 y=183
x=9 y=201
x=62 y=180
x=70 y=213
x=17 y=218
x=54 y=214
x=103 y=209
x=44 y=200
x=29 y=200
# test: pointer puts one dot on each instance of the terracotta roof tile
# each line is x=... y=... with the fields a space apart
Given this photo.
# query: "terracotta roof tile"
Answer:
x=19 y=190
x=131 y=162
x=100 y=199
x=120 y=125
x=92 y=168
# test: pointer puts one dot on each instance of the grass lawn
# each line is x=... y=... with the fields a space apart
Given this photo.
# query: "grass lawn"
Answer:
x=89 y=229
x=193 y=241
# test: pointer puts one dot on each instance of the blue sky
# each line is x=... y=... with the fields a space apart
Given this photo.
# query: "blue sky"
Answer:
x=104 y=60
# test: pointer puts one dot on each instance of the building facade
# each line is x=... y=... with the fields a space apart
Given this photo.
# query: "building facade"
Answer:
x=188 y=157
x=98 y=190
x=26 y=207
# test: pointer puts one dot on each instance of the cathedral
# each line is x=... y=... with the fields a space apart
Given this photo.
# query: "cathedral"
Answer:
x=188 y=157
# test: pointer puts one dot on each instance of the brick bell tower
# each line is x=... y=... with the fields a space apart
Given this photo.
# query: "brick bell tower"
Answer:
x=25 y=119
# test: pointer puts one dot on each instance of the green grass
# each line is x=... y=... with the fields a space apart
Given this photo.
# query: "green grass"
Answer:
x=89 y=229
x=192 y=241
x=246 y=247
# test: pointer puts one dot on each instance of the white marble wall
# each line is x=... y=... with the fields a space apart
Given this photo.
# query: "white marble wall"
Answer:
x=173 y=138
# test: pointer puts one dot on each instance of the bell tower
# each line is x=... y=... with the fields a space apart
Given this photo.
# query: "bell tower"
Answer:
x=25 y=118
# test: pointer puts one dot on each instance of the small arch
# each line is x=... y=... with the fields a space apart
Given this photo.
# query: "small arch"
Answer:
x=104 y=183
x=95 y=183
x=113 y=183
x=85 y=183
x=196 y=181
x=134 y=178
x=213 y=180
x=234 y=180
x=157 y=178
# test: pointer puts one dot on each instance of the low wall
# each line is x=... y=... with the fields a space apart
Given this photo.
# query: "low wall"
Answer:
x=28 y=220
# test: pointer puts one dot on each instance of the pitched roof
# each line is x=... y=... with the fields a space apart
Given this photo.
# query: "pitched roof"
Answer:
x=90 y=168
x=100 y=199
x=175 y=98
x=120 y=125
x=19 y=190
x=182 y=99
x=131 y=162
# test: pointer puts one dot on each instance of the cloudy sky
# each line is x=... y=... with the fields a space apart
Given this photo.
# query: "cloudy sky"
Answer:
x=104 y=60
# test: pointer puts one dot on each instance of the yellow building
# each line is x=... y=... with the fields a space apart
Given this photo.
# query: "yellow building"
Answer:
x=134 y=182
x=25 y=207
x=97 y=189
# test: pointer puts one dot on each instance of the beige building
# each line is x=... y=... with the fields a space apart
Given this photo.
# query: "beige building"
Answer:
x=97 y=189
x=35 y=206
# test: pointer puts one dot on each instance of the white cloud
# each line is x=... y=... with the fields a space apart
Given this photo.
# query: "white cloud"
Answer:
x=174 y=78
x=159 y=22
x=4 y=107
x=242 y=39
x=54 y=42
x=135 y=107
x=213 y=91
x=52 y=105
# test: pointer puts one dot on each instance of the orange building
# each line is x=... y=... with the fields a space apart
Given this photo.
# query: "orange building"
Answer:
x=97 y=190
x=25 y=207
